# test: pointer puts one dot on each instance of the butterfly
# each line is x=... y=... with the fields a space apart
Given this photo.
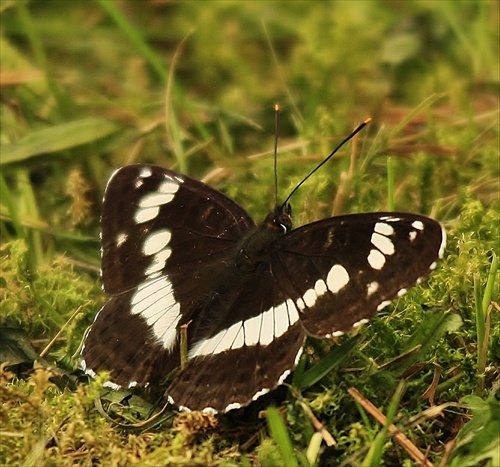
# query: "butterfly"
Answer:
x=178 y=254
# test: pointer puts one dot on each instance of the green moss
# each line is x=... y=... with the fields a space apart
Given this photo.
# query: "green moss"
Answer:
x=41 y=302
x=427 y=74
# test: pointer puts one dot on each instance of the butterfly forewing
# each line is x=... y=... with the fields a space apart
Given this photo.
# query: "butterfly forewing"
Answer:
x=149 y=211
x=340 y=271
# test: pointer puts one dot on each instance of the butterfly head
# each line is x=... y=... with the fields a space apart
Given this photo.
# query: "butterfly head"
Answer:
x=254 y=252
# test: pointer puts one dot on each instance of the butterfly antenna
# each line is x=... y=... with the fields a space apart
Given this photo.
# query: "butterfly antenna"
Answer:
x=276 y=130
x=345 y=140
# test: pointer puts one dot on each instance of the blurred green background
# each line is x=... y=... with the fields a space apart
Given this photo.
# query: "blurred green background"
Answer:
x=88 y=86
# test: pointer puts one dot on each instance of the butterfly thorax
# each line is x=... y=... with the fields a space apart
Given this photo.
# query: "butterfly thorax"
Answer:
x=254 y=252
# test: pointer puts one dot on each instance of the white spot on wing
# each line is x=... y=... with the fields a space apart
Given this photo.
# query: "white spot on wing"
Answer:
x=320 y=287
x=232 y=406
x=146 y=214
x=443 y=242
x=376 y=260
x=384 y=244
x=218 y=343
x=159 y=261
x=390 y=219
x=155 y=302
x=156 y=245
x=267 y=329
x=252 y=330
x=283 y=377
x=111 y=385
x=239 y=341
x=169 y=186
x=156 y=242
x=383 y=304
x=310 y=297
x=372 y=288
x=402 y=292
x=359 y=323
x=155 y=199
x=261 y=329
x=418 y=225
x=280 y=319
x=337 y=278
x=384 y=228
x=121 y=238
x=260 y=393
x=300 y=304
x=297 y=357
x=145 y=172
x=149 y=205
x=293 y=314
x=412 y=235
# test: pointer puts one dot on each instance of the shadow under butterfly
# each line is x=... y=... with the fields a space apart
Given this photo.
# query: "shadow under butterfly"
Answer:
x=177 y=253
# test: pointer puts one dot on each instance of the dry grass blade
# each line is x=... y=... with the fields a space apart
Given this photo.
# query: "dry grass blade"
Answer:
x=402 y=440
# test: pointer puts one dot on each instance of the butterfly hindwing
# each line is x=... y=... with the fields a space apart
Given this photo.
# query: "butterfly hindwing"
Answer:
x=254 y=343
x=124 y=344
x=234 y=378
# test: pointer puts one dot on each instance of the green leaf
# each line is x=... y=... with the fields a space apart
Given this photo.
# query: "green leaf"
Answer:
x=432 y=328
x=479 y=439
x=16 y=348
x=326 y=364
x=56 y=138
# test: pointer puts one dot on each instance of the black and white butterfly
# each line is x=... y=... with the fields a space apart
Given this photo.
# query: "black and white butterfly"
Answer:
x=176 y=252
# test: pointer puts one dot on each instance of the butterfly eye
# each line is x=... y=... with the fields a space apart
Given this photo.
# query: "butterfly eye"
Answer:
x=282 y=222
x=280 y=225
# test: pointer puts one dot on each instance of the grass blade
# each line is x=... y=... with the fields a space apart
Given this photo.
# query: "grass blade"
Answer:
x=56 y=138
x=280 y=436
x=326 y=364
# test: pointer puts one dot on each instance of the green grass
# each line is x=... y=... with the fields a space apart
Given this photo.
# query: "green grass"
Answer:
x=91 y=86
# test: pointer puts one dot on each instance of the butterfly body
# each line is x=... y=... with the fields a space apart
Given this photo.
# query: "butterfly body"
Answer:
x=176 y=253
